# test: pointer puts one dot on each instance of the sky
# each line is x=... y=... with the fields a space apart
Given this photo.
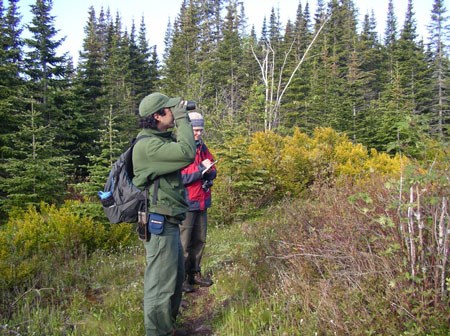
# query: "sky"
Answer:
x=71 y=15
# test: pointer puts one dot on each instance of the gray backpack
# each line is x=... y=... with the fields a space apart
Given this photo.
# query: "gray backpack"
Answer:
x=121 y=199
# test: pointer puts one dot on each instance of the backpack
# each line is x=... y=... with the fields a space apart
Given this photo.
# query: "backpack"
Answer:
x=121 y=199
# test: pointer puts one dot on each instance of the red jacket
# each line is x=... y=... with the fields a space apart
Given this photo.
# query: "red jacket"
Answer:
x=198 y=194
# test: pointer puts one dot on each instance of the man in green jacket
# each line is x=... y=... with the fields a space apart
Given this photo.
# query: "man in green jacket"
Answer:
x=159 y=159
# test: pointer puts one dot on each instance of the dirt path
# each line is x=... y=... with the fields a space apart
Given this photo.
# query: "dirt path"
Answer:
x=197 y=312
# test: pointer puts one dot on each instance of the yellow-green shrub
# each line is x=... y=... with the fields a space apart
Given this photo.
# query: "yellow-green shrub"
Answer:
x=384 y=164
x=356 y=161
x=294 y=162
x=296 y=165
x=32 y=240
x=265 y=150
x=349 y=158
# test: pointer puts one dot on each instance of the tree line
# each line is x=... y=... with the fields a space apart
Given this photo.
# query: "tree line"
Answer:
x=64 y=124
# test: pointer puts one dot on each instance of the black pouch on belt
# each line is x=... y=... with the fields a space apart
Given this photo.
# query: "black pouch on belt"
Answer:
x=142 y=228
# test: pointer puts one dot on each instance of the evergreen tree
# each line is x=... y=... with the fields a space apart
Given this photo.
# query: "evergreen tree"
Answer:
x=143 y=68
x=390 y=33
x=36 y=172
x=243 y=24
x=390 y=36
x=373 y=57
x=147 y=61
x=275 y=36
x=319 y=14
x=203 y=84
x=252 y=85
x=439 y=32
x=338 y=57
x=89 y=89
x=181 y=64
x=302 y=30
x=118 y=80
x=11 y=82
x=314 y=112
x=48 y=79
x=44 y=68
x=227 y=70
x=100 y=165
x=293 y=108
x=410 y=57
x=264 y=34
x=397 y=129
x=249 y=42
x=168 y=36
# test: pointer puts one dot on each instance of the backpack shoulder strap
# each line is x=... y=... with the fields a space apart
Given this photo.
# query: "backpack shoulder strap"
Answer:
x=155 y=191
x=135 y=140
x=149 y=181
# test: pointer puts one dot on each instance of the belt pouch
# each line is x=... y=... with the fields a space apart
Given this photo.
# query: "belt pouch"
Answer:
x=156 y=223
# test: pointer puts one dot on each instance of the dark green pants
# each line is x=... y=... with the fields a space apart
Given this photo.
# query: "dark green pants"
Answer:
x=163 y=280
x=193 y=238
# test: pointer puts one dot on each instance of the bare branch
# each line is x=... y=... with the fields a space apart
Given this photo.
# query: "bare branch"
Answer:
x=303 y=57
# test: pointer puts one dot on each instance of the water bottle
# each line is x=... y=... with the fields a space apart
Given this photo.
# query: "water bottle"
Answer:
x=106 y=198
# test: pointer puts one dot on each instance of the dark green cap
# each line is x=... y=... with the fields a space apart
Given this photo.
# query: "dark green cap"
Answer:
x=154 y=102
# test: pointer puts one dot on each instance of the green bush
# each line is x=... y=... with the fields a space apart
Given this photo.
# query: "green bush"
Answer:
x=32 y=240
x=295 y=162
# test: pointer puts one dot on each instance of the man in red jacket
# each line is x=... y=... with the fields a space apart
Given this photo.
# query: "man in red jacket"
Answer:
x=197 y=179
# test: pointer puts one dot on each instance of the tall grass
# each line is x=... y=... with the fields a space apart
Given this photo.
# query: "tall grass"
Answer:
x=98 y=294
x=337 y=264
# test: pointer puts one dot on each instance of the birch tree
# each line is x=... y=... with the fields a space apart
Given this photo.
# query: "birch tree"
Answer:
x=275 y=87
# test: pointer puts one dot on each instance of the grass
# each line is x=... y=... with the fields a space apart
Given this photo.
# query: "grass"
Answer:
x=96 y=295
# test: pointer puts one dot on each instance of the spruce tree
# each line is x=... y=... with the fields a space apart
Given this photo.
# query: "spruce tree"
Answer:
x=36 y=172
x=89 y=89
x=147 y=78
x=252 y=84
x=48 y=76
x=12 y=85
x=100 y=164
x=294 y=109
x=248 y=65
x=117 y=80
x=44 y=67
x=439 y=32
x=205 y=84
x=316 y=103
x=11 y=79
x=373 y=56
x=413 y=69
x=182 y=62
x=397 y=129
x=345 y=93
x=390 y=38
x=332 y=104
x=227 y=70
x=168 y=36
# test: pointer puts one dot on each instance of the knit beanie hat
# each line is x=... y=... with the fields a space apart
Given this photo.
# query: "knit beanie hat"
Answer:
x=196 y=120
x=154 y=102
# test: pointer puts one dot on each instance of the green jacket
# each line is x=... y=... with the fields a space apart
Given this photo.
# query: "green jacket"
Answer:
x=162 y=155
